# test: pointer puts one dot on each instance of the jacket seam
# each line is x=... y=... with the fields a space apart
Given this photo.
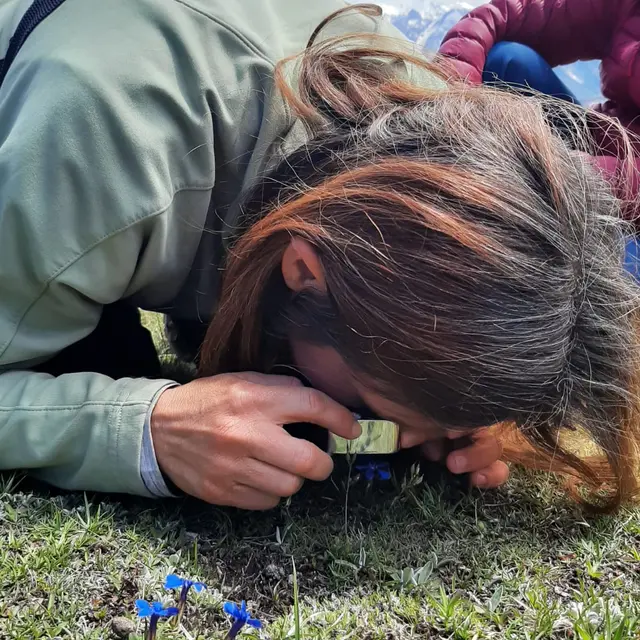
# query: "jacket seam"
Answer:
x=239 y=35
x=117 y=410
x=107 y=236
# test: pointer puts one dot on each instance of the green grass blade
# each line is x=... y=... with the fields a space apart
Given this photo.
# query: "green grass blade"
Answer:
x=296 y=605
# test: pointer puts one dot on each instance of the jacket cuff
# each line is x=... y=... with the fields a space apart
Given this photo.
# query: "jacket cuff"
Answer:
x=156 y=482
x=130 y=416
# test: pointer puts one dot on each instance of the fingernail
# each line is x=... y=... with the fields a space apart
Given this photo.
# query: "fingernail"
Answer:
x=357 y=429
x=481 y=480
x=459 y=463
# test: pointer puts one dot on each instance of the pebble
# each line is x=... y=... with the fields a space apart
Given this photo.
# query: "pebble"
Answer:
x=122 y=627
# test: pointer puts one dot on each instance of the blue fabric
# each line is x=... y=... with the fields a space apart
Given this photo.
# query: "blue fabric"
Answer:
x=521 y=67
x=632 y=258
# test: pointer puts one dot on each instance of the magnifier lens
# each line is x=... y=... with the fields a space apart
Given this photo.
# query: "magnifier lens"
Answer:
x=377 y=437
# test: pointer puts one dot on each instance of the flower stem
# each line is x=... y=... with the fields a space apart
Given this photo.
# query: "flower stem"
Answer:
x=181 y=608
x=182 y=605
x=152 y=628
x=235 y=630
x=351 y=460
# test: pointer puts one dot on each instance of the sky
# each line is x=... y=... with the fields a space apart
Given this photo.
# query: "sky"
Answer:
x=402 y=6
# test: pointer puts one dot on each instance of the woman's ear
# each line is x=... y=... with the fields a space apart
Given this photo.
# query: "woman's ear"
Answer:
x=301 y=267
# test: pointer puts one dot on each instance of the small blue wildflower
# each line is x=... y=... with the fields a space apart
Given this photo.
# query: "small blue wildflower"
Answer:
x=173 y=581
x=240 y=618
x=374 y=470
x=154 y=611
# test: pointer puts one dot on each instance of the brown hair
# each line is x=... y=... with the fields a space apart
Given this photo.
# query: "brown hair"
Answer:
x=473 y=258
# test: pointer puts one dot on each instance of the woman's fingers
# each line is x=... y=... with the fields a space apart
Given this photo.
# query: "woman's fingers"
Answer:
x=269 y=479
x=481 y=459
x=493 y=476
x=483 y=452
x=286 y=400
x=244 y=497
x=289 y=404
x=274 y=447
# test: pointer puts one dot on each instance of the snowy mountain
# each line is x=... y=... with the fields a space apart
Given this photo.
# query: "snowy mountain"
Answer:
x=427 y=21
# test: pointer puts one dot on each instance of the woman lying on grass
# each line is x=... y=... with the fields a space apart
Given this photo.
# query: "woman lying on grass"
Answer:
x=435 y=254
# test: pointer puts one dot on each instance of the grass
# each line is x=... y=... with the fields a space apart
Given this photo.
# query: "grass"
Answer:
x=415 y=560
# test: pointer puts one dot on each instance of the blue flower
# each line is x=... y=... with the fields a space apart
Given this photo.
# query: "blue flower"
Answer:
x=374 y=470
x=240 y=618
x=154 y=611
x=173 y=581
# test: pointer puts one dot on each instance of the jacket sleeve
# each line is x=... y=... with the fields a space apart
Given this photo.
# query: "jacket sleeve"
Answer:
x=78 y=215
x=562 y=31
x=81 y=430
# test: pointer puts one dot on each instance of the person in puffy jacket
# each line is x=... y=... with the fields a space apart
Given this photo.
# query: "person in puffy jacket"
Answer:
x=520 y=41
x=297 y=194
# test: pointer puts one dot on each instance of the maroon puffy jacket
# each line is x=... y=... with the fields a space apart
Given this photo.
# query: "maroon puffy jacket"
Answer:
x=562 y=31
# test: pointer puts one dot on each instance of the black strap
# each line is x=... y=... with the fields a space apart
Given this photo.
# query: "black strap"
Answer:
x=35 y=14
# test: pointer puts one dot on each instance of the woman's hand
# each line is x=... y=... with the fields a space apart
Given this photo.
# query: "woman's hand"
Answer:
x=221 y=439
x=481 y=459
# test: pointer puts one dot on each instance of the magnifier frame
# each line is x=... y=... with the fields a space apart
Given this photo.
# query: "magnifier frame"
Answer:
x=378 y=437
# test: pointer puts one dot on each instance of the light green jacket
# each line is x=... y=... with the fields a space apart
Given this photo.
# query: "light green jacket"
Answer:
x=126 y=126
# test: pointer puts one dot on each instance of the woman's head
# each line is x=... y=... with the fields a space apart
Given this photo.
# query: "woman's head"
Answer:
x=456 y=256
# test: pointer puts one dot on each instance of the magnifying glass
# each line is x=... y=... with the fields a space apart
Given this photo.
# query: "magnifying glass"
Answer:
x=378 y=437
x=382 y=437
